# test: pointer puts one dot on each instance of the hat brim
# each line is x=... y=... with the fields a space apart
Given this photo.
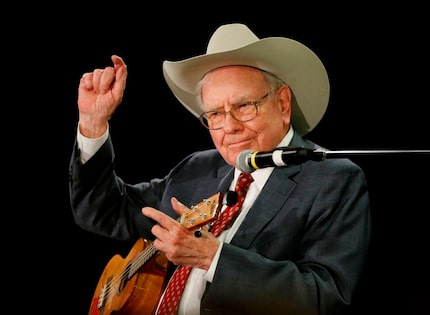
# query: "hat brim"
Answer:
x=290 y=60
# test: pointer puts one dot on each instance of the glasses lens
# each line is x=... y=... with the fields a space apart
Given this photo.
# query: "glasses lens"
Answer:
x=244 y=112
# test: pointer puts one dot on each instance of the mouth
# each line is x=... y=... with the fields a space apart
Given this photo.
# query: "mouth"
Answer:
x=239 y=145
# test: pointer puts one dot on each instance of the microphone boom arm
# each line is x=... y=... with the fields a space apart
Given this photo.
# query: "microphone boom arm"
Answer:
x=249 y=161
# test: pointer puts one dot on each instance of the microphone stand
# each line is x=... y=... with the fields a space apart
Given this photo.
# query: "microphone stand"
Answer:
x=294 y=155
x=249 y=161
x=347 y=153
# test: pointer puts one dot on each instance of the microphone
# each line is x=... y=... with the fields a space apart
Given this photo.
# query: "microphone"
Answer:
x=248 y=161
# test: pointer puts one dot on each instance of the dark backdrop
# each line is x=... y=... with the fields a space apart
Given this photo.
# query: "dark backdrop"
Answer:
x=377 y=64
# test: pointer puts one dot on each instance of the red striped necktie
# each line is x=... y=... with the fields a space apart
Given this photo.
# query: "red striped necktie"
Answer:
x=170 y=302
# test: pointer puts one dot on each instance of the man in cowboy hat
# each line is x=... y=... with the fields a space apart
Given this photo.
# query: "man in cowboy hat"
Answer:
x=300 y=241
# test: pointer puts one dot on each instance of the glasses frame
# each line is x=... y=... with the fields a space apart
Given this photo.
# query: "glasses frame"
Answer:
x=256 y=103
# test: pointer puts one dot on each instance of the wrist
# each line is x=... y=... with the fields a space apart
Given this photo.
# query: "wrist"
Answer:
x=92 y=128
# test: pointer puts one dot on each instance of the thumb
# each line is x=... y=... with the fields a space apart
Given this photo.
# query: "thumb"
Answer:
x=178 y=206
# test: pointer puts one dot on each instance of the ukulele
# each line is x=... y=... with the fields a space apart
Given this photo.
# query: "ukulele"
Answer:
x=133 y=285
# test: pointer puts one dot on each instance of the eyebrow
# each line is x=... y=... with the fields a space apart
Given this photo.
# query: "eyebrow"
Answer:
x=215 y=108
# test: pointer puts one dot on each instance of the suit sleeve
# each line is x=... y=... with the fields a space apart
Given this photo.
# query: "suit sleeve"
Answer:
x=102 y=203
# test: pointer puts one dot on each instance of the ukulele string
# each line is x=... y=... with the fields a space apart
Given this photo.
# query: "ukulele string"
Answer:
x=130 y=269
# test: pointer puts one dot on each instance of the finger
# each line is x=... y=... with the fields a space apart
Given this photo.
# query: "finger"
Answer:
x=106 y=80
x=162 y=219
x=158 y=231
x=178 y=206
x=120 y=77
x=87 y=81
x=97 y=74
x=117 y=61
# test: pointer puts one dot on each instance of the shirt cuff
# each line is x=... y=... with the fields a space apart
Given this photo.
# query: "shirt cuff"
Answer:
x=89 y=146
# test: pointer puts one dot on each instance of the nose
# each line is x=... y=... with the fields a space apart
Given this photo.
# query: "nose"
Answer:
x=230 y=123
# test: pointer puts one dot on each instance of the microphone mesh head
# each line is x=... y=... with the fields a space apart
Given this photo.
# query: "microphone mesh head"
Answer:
x=242 y=162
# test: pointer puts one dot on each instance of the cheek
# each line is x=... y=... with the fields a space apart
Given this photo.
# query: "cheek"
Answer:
x=270 y=130
x=269 y=123
x=279 y=118
x=217 y=138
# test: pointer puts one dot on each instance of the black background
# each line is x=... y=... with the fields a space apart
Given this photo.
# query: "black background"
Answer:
x=377 y=61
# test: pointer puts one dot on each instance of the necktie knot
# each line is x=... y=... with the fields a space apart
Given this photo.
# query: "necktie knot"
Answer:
x=243 y=182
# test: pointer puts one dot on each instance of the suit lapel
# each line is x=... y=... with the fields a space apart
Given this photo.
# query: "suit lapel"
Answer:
x=276 y=190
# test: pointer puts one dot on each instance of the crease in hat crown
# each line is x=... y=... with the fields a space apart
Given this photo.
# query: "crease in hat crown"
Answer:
x=236 y=44
x=229 y=37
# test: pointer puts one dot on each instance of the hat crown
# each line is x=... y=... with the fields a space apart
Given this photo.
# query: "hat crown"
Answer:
x=230 y=37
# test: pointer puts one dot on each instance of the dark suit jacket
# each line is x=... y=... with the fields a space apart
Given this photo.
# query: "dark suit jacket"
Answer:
x=300 y=250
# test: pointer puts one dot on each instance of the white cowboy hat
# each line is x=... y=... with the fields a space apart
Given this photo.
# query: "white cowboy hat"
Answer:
x=235 y=44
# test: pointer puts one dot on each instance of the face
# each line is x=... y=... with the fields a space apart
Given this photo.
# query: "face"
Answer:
x=232 y=85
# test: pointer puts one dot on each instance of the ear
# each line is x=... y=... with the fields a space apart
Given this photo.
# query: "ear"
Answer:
x=284 y=101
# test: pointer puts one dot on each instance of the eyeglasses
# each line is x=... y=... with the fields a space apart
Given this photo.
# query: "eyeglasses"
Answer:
x=242 y=112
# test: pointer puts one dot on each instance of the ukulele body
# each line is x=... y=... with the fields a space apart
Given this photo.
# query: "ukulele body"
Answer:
x=118 y=294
